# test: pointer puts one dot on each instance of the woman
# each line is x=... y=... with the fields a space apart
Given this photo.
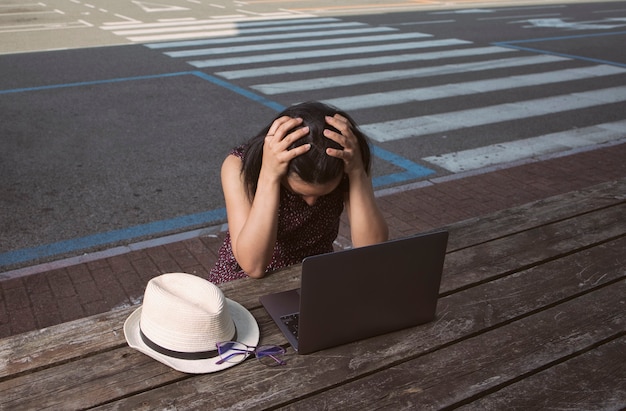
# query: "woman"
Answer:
x=286 y=188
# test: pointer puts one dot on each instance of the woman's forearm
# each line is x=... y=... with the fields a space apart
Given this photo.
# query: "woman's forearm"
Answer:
x=367 y=224
x=257 y=237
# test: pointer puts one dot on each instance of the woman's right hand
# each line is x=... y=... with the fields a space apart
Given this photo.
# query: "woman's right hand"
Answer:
x=253 y=224
x=276 y=153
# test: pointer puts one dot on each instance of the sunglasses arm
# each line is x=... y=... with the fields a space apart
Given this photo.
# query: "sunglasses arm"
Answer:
x=223 y=360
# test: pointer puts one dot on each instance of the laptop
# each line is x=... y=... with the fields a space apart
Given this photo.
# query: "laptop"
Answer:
x=363 y=292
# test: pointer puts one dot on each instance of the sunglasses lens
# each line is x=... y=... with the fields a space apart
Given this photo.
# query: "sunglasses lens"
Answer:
x=232 y=352
x=271 y=355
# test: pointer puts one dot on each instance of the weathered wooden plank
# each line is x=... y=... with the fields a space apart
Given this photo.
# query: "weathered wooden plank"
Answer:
x=528 y=248
x=40 y=348
x=595 y=380
x=455 y=374
x=69 y=386
x=535 y=214
x=98 y=378
x=461 y=315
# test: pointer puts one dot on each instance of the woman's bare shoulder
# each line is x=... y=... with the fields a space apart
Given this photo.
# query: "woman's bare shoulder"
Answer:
x=231 y=165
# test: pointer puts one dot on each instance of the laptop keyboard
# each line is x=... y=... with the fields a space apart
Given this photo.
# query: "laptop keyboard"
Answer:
x=291 y=321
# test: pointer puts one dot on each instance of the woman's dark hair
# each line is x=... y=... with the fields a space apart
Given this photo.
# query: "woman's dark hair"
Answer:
x=315 y=166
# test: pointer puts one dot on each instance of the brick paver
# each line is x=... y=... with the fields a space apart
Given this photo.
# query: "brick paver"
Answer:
x=62 y=294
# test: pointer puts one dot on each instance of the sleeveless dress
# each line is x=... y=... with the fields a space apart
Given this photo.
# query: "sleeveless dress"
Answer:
x=303 y=230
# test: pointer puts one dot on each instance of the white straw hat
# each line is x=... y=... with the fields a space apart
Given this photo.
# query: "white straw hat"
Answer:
x=182 y=318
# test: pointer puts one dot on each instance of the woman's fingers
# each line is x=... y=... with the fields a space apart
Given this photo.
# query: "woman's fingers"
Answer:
x=289 y=155
x=282 y=134
x=294 y=136
x=282 y=126
x=350 y=154
x=279 y=124
x=341 y=154
x=345 y=135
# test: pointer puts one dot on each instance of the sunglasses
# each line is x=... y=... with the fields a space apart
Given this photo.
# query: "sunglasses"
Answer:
x=235 y=352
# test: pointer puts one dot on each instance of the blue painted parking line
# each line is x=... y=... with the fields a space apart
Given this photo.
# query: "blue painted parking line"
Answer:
x=94 y=82
x=111 y=237
x=411 y=171
x=239 y=90
x=517 y=44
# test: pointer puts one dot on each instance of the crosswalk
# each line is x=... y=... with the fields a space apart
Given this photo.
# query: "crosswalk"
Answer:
x=366 y=69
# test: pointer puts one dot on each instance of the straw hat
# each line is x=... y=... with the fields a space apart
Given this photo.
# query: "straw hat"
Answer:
x=181 y=319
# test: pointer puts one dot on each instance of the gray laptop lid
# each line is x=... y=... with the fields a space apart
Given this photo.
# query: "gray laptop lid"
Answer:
x=359 y=293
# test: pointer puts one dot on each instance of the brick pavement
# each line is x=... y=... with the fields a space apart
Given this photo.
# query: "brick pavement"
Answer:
x=68 y=290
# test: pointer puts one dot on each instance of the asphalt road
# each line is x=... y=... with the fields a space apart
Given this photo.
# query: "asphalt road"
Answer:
x=115 y=121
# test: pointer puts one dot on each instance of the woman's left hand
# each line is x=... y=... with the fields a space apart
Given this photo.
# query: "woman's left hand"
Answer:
x=351 y=153
x=367 y=224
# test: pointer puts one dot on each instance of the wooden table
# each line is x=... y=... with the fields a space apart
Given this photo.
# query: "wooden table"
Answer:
x=532 y=315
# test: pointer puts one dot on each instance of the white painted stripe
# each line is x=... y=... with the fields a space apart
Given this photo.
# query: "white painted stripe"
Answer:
x=438 y=123
x=394 y=75
x=184 y=36
x=230 y=36
x=294 y=44
x=362 y=62
x=234 y=28
x=239 y=30
x=530 y=147
x=264 y=58
x=240 y=22
x=43 y=27
x=337 y=29
x=471 y=87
